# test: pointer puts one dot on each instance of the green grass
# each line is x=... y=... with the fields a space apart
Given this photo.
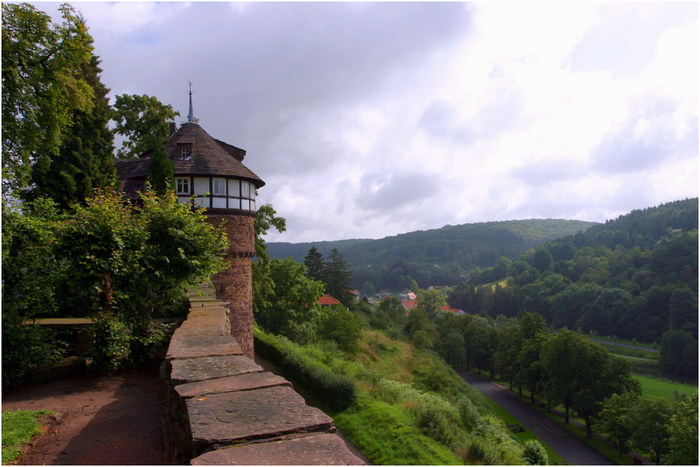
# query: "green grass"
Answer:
x=386 y=435
x=664 y=389
x=18 y=428
x=410 y=407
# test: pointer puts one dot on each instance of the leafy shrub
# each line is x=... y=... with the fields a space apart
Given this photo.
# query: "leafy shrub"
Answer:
x=25 y=347
x=434 y=423
x=111 y=345
x=106 y=260
x=534 y=453
x=117 y=343
x=342 y=327
x=336 y=390
x=468 y=414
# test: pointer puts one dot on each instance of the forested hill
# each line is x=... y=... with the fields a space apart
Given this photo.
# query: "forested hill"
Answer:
x=435 y=257
x=632 y=277
x=298 y=250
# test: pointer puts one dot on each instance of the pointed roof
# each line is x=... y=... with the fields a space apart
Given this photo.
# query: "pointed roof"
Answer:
x=209 y=157
x=190 y=115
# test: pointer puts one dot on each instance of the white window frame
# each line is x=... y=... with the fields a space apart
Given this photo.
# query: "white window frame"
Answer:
x=185 y=152
x=183 y=185
x=218 y=187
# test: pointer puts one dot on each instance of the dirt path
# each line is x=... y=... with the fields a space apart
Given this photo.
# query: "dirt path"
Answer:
x=112 y=419
x=570 y=448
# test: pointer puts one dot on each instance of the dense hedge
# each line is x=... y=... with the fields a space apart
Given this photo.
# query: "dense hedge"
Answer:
x=335 y=390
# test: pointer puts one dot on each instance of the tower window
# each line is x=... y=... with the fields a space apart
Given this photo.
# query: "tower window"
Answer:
x=219 y=186
x=185 y=152
x=182 y=185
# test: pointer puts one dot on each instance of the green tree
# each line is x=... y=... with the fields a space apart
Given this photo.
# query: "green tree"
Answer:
x=292 y=310
x=542 y=260
x=580 y=374
x=678 y=355
x=263 y=287
x=683 y=432
x=683 y=310
x=337 y=277
x=143 y=121
x=388 y=313
x=530 y=374
x=506 y=358
x=534 y=453
x=315 y=265
x=161 y=175
x=42 y=86
x=342 y=327
x=431 y=301
x=602 y=376
x=616 y=419
x=85 y=160
x=127 y=262
x=109 y=261
x=29 y=275
x=454 y=351
x=650 y=428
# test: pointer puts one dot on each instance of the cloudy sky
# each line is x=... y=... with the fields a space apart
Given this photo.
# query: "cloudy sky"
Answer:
x=367 y=120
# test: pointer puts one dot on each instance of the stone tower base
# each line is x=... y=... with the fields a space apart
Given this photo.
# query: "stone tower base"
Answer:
x=235 y=284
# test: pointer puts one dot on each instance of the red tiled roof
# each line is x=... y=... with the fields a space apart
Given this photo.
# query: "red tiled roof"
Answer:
x=327 y=300
x=449 y=308
x=410 y=304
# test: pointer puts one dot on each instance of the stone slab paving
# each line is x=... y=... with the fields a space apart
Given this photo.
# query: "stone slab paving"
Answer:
x=321 y=449
x=202 y=346
x=231 y=383
x=201 y=369
x=206 y=325
x=247 y=415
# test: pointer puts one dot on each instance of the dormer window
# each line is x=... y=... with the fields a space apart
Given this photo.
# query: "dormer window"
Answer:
x=185 y=151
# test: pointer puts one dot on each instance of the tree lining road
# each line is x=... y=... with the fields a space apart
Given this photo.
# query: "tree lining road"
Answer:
x=571 y=449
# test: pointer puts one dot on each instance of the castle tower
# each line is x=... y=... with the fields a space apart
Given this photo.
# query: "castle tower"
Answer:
x=211 y=173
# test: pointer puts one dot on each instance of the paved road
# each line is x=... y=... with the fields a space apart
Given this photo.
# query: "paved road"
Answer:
x=570 y=448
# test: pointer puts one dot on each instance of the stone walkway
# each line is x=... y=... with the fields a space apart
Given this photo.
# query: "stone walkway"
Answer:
x=230 y=410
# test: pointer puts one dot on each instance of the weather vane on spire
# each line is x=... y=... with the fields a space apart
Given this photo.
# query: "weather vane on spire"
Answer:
x=190 y=115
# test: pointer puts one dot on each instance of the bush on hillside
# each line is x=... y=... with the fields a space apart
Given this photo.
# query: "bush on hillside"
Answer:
x=335 y=390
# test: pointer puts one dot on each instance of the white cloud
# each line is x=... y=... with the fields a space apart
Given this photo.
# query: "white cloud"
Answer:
x=368 y=120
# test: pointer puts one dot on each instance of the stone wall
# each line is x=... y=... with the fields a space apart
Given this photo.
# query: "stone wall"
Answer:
x=220 y=407
x=234 y=285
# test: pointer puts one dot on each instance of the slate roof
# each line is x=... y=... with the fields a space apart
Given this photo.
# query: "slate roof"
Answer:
x=210 y=157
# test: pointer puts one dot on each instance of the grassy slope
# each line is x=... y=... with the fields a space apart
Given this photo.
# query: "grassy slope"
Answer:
x=664 y=389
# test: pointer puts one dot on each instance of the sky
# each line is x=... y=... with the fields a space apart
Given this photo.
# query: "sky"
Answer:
x=373 y=119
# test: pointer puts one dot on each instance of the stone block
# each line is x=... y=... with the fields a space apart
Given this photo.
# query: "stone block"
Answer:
x=184 y=346
x=236 y=417
x=321 y=449
x=244 y=382
x=201 y=369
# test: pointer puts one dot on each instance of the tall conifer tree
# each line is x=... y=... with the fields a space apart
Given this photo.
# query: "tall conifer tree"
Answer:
x=314 y=264
x=85 y=160
x=161 y=174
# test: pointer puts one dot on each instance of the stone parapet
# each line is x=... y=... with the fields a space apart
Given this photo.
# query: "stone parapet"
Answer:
x=220 y=407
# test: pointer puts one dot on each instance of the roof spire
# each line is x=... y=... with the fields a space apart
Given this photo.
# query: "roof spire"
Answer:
x=190 y=115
